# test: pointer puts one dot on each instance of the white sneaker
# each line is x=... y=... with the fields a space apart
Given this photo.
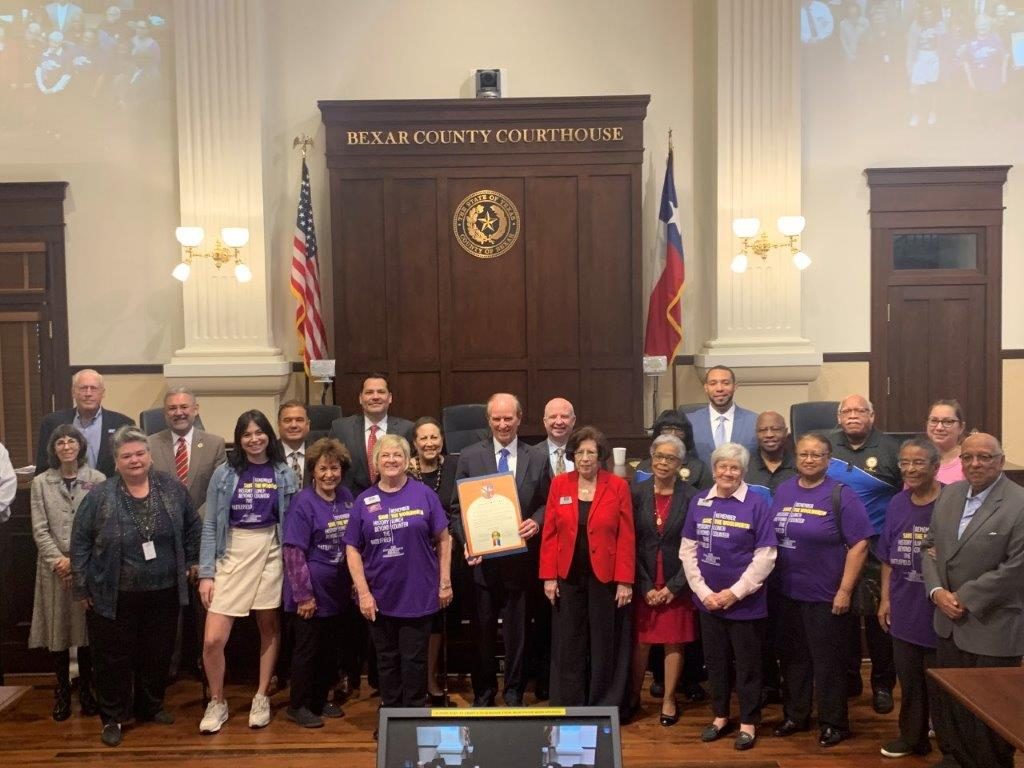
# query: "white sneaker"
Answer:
x=216 y=715
x=259 y=714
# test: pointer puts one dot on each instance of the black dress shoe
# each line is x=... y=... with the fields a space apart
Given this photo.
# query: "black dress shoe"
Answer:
x=657 y=689
x=513 y=699
x=789 y=727
x=483 y=701
x=669 y=720
x=695 y=692
x=111 y=735
x=714 y=733
x=437 y=700
x=881 y=701
x=830 y=736
x=61 y=703
x=745 y=741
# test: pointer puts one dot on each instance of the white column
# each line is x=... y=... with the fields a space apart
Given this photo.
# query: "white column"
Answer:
x=229 y=346
x=756 y=170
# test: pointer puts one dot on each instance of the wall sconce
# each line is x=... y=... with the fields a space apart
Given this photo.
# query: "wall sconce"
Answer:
x=225 y=250
x=755 y=244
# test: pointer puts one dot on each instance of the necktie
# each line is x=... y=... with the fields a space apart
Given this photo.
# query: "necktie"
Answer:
x=559 y=461
x=369 y=453
x=296 y=465
x=181 y=460
x=720 y=431
x=503 y=460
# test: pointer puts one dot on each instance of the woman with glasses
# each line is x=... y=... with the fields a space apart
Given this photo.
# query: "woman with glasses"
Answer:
x=945 y=428
x=692 y=470
x=587 y=560
x=728 y=551
x=823 y=532
x=904 y=610
x=664 y=615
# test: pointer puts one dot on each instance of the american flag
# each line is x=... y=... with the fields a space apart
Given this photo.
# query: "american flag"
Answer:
x=305 y=283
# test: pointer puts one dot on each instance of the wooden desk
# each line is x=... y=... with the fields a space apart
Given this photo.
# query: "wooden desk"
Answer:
x=994 y=695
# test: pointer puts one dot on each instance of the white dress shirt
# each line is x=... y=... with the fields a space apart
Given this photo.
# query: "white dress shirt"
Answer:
x=512 y=449
x=730 y=418
x=553 y=449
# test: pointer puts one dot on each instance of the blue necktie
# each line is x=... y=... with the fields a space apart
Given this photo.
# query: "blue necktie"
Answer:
x=503 y=460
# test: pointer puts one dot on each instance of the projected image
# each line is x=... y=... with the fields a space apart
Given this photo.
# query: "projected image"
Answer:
x=936 y=57
x=109 y=53
x=489 y=744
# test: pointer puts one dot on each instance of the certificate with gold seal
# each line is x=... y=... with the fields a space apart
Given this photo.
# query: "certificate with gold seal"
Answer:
x=491 y=515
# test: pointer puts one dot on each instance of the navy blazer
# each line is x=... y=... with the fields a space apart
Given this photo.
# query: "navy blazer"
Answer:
x=648 y=542
x=110 y=423
x=349 y=430
x=744 y=431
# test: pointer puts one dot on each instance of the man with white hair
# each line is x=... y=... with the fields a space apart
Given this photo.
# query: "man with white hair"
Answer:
x=90 y=418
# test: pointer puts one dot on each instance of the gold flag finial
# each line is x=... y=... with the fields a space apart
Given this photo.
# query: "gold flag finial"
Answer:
x=304 y=141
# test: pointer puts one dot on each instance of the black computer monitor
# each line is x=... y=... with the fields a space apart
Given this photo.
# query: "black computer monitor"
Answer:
x=489 y=737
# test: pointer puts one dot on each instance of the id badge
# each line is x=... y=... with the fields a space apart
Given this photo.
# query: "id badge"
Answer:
x=149 y=550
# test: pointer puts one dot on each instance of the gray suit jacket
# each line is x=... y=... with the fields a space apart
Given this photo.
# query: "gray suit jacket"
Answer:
x=984 y=567
x=208 y=453
x=349 y=430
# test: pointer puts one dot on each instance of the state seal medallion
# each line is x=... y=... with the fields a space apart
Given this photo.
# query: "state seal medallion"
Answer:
x=486 y=224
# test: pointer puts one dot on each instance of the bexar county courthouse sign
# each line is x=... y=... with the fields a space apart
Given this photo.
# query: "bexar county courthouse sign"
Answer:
x=555 y=135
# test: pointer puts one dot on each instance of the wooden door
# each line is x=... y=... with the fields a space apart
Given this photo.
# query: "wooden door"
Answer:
x=936 y=269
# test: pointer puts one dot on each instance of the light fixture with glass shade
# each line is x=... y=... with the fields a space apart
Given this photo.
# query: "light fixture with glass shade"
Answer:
x=225 y=250
x=755 y=244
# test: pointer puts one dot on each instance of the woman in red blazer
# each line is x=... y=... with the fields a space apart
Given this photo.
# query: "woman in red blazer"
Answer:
x=587 y=561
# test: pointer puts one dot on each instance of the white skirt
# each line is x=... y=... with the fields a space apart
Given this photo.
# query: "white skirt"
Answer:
x=250 y=575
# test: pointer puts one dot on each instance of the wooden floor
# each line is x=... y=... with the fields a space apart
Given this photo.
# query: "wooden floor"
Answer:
x=28 y=737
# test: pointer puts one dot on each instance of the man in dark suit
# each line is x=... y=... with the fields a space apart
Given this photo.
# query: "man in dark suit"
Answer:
x=191 y=455
x=360 y=433
x=975 y=577
x=293 y=429
x=501 y=585
x=90 y=418
x=722 y=421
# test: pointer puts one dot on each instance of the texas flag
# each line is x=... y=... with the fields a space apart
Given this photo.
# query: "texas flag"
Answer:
x=664 y=313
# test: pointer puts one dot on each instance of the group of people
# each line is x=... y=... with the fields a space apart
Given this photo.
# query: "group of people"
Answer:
x=764 y=553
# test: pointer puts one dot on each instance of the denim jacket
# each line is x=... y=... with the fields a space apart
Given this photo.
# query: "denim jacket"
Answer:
x=96 y=539
x=218 y=512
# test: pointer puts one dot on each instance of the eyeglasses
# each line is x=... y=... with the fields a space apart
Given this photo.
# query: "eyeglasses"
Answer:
x=63 y=442
x=584 y=453
x=770 y=430
x=942 y=422
x=981 y=458
x=665 y=457
x=855 y=412
x=811 y=455
x=915 y=463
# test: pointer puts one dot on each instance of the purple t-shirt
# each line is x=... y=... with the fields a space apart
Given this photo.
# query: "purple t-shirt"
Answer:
x=727 y=532
x=812 y=554
x=394 y=533
x=317 y=527
x=254 y=504
x=906 y=526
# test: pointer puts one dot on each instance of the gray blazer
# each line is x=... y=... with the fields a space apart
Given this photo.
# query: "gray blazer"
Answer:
x=208 y=453
x=985 y=568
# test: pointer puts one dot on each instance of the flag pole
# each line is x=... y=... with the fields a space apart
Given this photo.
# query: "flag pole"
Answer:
x=672 y=362
x=306 y=142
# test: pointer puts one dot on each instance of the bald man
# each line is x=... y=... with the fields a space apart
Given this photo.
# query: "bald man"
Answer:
x=975 y=577
x=773 y=461
x=559 y=422
x=501 y=585
x=90 y=418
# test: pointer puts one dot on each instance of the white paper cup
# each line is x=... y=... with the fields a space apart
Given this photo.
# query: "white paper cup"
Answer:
x=619 y=456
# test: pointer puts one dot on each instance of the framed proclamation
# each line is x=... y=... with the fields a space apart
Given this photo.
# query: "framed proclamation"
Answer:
x=491 y=515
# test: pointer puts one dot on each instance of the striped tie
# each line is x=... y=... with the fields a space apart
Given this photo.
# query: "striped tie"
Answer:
x=181 y=460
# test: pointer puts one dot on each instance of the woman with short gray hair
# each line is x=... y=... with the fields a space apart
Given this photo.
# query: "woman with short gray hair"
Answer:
x=134 y=540
x=728 y=550
x=664 y=614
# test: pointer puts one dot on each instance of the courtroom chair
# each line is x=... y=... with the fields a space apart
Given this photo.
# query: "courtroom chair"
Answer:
x=316 y=434
x=152 y=421
x=321 y=416
x=464 y=425
x=690 y=407
x=815 y=416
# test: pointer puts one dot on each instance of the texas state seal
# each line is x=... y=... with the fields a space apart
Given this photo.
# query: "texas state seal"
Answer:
x=486 y=224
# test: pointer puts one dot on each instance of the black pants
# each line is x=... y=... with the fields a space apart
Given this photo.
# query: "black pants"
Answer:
x=314 y=669
x=971 y=742
x=357 y=649
x=590 y=645
x=132 y=654
x=917 y=690
x=489 y=602
x=538 y=617
x=733 y=647
x=286 y=647
x=883 y=668
x=401 y=646
x=813 y=644
x=62 y=668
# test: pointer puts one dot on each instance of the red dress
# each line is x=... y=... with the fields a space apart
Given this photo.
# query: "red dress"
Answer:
x=672 y=623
